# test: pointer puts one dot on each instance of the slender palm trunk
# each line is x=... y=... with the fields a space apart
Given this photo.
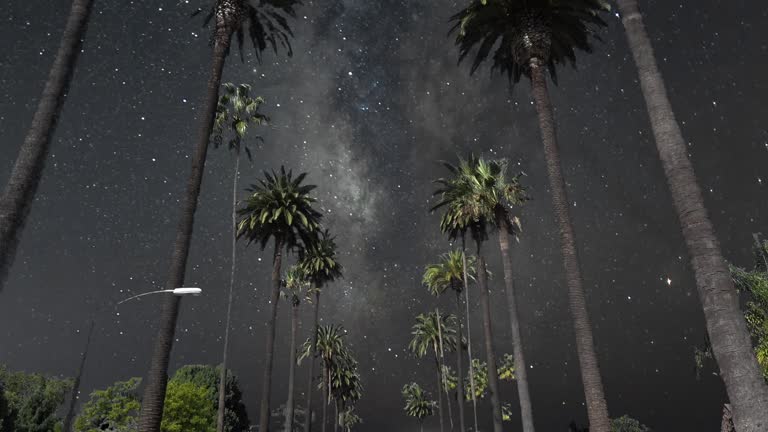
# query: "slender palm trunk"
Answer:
x=67 y=425
x=326 y=389
x=490 y=352
x=526 y=411
x=20 y=191
x=469 y=330
x=292 y=371
x=459 y=367
x=597 y=409
x=310 y=378
x=157 y=377
x=336 y=419
x=223 y=372
x=442 y=368
x=439 y=394
x=266 y=389
x=726 y=327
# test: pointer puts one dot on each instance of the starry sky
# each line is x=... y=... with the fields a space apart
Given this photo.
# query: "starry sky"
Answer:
x=371 y=99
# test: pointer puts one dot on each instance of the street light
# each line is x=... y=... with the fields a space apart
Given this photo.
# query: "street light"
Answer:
x=177 y=292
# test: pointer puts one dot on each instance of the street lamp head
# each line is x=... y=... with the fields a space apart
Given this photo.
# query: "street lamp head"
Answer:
x=187 y=291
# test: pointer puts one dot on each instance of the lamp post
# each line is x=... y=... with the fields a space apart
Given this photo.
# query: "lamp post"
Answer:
x=67 y=426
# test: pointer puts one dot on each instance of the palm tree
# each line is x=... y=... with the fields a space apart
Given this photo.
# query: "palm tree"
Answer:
x=267 y=22
x=534 y=35
x=329 y=346
x=245 y=113
x=349 y=419
x=345 y=384
x=431 y=332
x=727 y=330
x=296 y=287
x=278 y=208
x=70 y=415
x=16 y=200
x=417 y=403
x=320 y=263
x=464 y=213
x=439 y=278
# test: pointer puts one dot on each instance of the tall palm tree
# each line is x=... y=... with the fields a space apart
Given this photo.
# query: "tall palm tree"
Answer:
x=329 y=346
x=296 y=288
x=235 y=113
x=464 y=213
x=439 y=278
x=727 y=330
x=278 y=208
x=16 y=200
x=345 y=384
x=428 y=333
x=320 y=263
x=530 y=36
x=417 y=403
x=267 y=23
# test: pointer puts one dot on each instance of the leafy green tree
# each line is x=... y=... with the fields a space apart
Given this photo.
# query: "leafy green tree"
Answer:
x=349 y=419
x=278 y=208
x=432 y=331
x=268 y=23
x=628 y=424
x=319 y=261
x=236 y=112
x=295 y=286
x=235 y=414
x=448 y=274
x=479 y=373
x=507 y=368
x=16 y=200
x=32 y=401
x=116 y=408
x=755 y=284
x=188 y=408
x=727 y=331
x=3 y=406
x=417 y=403
x=530 y=37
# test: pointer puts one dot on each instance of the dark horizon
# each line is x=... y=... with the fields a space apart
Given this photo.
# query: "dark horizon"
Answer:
x=370 y=102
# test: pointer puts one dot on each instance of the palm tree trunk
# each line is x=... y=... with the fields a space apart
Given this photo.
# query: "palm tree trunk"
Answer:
x=526 y=410
x=490 y=352
x=469 y=330
x=292 y=370
x=310 y=379
x=326 y=378
x=597 y=409
x=336 y=419
x=67 y=424
x=223 y=372
x=19 y=193
x=442 y=368
x=726 y=327
x=439 y=394
x=154 y=393
x=266 y=388
x=459 y=367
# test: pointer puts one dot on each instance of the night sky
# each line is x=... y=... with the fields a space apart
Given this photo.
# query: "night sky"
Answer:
x=370 y=101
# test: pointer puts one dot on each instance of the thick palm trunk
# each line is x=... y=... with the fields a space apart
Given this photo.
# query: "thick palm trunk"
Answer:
x=223 y=372
x=292 y=371
x=310 y=379
x=490 y=351
x=269 y=349
x=67 y=424
x=526 y=410
x=469 y=330
x=157 y=377
x=726 y=327
x=597 y=408
x=459 y=367
x=325 y=389
x=442 y=368
x=19 y=193
x=439 y=394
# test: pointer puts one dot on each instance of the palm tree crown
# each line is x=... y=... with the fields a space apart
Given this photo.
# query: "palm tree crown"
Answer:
x=448 y=273
x=244 y=112
x=319 y=260
x=267 y=22
x=417 y=403
x=280 y=207
x=295 y=285
x=427 y=331
x=549 y=31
